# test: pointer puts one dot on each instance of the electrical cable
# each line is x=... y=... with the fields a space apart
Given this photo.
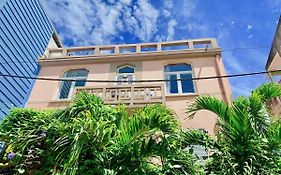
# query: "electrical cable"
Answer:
x=140 y=81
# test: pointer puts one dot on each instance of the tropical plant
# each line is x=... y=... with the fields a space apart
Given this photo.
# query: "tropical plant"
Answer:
x=89 y=137
x=248 y=141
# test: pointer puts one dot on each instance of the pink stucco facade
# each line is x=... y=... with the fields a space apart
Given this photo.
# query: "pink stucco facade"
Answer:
x=273 y=65
x=205 y=62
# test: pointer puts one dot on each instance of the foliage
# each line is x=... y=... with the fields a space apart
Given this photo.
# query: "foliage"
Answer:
x=248 y=141
x=89 y=137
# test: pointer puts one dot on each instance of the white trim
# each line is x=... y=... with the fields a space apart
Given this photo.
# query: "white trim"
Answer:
x=72 y=86
x=179 y=82
x=180 y=72
x=125 y=74
x=126 y=65
x=191 y=94
x=71 y=89
x=127 y=81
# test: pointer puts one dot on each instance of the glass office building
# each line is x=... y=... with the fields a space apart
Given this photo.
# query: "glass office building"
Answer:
x=25 y=32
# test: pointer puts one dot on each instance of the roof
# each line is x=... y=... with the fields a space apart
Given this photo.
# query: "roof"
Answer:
x=276 y=45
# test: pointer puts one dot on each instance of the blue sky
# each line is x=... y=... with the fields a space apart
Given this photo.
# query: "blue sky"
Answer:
x=235 y=24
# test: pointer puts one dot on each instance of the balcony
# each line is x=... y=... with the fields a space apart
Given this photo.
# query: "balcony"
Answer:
x=129 y=95
x=109 y=50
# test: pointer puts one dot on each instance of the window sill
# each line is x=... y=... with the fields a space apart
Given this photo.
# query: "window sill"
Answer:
x=60 y=100
x=182 y=95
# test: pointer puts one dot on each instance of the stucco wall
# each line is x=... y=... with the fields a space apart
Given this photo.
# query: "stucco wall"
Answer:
x=45 y=93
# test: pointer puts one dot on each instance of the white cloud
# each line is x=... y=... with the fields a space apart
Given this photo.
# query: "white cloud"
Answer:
x=232 y=63
x=160 y=38
x=232 y=23
x=148 y=17
x=96 y=22
x=249 y=27
x=192 y=27
x=111 y=1
x=187 y=8
x=166 y=13
x=241 y=88
x=171 y=29
x=127 y=2
x=168 y=4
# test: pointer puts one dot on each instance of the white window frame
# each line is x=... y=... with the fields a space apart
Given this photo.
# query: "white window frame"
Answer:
x=125 y=74
x=178 y=73
x=72 y=86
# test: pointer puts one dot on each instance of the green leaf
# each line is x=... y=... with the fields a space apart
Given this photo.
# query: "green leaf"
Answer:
x=21 y=171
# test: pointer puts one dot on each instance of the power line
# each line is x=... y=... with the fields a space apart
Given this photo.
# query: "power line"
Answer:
x=140 y=81
x=224 y=50
x=244 y=48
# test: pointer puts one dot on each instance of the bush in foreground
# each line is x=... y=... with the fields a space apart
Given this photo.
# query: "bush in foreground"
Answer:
x=89 y=137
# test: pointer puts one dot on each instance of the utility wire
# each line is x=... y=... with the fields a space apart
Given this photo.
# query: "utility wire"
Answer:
x=244 y=48
x=139 y=81
x=224 y=50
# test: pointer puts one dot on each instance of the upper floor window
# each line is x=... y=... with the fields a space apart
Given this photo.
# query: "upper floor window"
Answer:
x=66 y=88
x=179 y=76
x=125 y=73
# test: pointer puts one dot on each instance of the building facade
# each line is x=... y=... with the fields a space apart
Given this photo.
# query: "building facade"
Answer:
x=274 y=64
x=25 y=32
x=132 y=75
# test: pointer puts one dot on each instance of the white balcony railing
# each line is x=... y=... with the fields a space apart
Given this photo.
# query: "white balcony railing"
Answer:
x=208 y=43
x=129 y=95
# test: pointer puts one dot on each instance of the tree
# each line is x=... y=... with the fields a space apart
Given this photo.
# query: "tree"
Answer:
x=248 y=141
x=89 y=137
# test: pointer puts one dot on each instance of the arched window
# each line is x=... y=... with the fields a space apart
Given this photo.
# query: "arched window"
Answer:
x=125 y=73
x=66 y=88
x=173 y=73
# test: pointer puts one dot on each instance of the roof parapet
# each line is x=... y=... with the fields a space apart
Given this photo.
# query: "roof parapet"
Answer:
x=204 y=43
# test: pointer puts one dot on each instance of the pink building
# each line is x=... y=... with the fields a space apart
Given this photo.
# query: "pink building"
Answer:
x=171 y=61
x=274 y=64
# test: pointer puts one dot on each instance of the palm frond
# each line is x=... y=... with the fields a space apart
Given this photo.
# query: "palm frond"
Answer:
x=158 y=116
x=258 y=113
x=211 y=104
x=274 y=135
x=82 y=102
x=268 y=91
x=196 y=137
